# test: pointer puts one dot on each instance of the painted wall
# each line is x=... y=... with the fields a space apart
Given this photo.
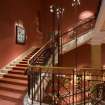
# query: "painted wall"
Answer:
x=12 y=11
x=103 y=54
x=81 y=56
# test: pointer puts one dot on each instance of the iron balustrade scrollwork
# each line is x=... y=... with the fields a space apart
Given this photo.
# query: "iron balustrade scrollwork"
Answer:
x=44 y=52
x=35 y=79
x=69 y=87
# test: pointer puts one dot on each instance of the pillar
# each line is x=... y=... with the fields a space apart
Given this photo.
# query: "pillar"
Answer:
x=96 y=56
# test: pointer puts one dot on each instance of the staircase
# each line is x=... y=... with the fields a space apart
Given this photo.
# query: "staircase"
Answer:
x=13 y=85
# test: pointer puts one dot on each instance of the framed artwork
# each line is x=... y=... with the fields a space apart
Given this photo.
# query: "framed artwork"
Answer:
x=20 y=35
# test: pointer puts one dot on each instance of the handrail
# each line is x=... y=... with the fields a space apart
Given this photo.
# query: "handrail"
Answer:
x=79 y=24
x=39 y=51
x=63 y=69
x=79 y=29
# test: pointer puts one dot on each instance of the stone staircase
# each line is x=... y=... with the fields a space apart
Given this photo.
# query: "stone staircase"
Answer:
x=13 y=84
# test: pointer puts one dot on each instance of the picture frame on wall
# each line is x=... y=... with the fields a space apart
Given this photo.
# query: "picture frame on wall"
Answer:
x=20 y=35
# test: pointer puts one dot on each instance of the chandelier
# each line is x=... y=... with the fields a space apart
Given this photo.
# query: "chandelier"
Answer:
x=56 y=9
x=75 y=3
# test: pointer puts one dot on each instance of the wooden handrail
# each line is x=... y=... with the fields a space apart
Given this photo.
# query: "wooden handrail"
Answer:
x=65 y=70
x=40 y=50
x=79 y=25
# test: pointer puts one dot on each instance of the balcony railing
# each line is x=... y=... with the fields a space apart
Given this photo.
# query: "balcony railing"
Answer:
x=66 y=86
x=79 y=29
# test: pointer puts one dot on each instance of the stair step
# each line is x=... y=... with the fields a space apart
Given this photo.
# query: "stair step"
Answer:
x=9 y=95
x=30 y=55
x=6 y=102
x=12 y=87
x=23 y=65
x=17 y=72
x=23 y=62
x=13 y=81
x=27 y=58
x=19 y=68
x=17 y=76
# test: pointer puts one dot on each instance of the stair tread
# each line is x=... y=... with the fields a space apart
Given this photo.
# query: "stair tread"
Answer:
x=13 y=81
x=17 y=72
x=19 y=68
x=10 y=75
x=6 y=102
x=23 y=65
x=13 y=87
x=27 y=58
x=23 y=62
x=10 y=94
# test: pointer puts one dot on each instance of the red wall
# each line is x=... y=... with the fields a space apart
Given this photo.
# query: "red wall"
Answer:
x=11 y=11
x=81 y=56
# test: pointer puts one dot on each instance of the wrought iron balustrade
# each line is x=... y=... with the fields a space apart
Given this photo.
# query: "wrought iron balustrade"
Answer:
x=65 y=86
x=78 y=30
x=43 y=53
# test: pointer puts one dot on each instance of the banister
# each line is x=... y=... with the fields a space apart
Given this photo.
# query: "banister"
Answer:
x=79 y=24
x=65 y=69
x=80 y=29
x=40 y=50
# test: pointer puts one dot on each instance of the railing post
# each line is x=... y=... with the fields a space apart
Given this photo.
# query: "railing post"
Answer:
x=29 y=83
x=53 y=89
x=84 y=88
x=73 y=84
x=32 y=78
x=40 y=88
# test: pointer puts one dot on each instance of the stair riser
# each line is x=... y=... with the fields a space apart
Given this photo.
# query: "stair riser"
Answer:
x=15 y=83
x=19 y=65
x=14 y=90
x=16 y=72
x=10 y=99
x=23 y=62
x=22 y=78
x=16 y=68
